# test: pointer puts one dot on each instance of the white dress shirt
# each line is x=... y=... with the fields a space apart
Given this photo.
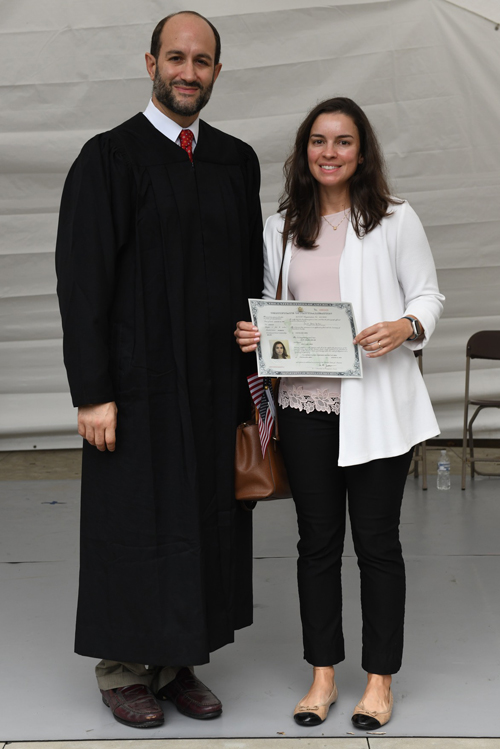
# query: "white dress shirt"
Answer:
x=168 y=127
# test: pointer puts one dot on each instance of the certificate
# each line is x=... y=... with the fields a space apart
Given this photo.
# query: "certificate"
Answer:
x=306 y=339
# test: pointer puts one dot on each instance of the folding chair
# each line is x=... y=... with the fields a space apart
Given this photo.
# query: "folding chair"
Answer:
x=482 y=345
x=420 y=451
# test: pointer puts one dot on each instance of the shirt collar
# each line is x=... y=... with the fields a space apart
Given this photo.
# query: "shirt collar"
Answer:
x=168 y=127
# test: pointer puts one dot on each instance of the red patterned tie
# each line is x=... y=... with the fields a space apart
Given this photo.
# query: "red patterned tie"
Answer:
x=186 y=137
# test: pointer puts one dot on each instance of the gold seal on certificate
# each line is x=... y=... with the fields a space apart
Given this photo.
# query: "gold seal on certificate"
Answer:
x=306 y=339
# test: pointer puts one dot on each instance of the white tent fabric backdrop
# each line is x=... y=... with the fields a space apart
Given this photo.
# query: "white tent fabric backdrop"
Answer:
x=425 y=71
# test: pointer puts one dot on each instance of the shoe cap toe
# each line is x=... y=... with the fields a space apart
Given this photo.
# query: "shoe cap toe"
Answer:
x=307 y=719
x=366 y=722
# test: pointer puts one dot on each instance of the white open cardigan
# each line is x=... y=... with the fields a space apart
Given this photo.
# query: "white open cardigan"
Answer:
x=387 y=274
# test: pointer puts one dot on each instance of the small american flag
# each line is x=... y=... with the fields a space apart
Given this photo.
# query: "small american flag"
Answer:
x=261 y=390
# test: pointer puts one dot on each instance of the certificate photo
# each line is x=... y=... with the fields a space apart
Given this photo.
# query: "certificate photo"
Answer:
x=306 y=339
x=280 y=349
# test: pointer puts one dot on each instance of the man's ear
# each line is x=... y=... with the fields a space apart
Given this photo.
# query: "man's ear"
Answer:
x=217 y=70
x=151 y=65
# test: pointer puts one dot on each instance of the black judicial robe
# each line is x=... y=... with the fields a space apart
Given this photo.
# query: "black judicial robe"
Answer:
x=155 y=261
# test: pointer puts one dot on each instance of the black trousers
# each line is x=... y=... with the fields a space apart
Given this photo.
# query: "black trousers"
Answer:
x=310 y=443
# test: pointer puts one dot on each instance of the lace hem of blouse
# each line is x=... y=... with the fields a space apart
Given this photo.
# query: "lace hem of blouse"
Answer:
x=320 y=400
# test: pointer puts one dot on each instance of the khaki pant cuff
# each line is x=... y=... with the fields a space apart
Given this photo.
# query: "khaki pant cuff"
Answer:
x=115 y=681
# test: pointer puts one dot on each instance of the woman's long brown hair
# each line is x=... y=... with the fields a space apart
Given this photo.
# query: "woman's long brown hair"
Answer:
x=369 y=191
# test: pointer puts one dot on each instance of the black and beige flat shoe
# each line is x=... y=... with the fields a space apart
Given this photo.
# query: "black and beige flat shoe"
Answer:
x=313 y=715
x=367 y=720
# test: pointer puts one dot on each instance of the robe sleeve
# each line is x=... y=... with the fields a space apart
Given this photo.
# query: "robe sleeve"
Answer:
x=255 y=225
x=94 y=225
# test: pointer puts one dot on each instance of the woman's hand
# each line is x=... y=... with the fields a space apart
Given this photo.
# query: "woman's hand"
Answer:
x=379 y=339
x=247 y=336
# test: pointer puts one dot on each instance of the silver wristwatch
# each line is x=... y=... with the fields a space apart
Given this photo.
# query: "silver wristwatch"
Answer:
x=417 y=328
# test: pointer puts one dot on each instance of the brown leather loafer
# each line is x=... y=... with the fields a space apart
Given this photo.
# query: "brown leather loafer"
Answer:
x=191 y=697
x=134 y=706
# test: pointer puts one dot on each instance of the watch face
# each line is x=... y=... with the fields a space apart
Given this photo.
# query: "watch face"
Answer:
x=417 y=328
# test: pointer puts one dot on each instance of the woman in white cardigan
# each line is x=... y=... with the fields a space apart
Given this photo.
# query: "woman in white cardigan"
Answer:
x=349 y=240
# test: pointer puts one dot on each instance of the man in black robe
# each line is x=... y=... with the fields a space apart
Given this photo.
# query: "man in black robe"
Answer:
x=159 y=247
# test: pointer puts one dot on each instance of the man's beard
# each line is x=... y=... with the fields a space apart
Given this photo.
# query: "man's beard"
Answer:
x=166 y=96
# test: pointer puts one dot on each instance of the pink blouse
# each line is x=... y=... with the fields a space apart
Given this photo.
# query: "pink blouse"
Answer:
x=314 y=277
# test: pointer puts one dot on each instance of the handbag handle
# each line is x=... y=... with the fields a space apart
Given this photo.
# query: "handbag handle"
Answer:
x=279 y=291
x=286 y=232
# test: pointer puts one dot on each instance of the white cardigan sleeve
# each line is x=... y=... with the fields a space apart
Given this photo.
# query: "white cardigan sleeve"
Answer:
x=273 y=249
x=417 y=274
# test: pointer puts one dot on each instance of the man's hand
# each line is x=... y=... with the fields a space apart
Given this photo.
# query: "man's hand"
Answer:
x=247 y=336
x=97 y=424
x=379 y=339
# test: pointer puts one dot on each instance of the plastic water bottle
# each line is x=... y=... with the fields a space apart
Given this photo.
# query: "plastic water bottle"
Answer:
x=443 y=472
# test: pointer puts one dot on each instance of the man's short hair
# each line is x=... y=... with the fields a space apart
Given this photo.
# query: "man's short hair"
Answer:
x=155 y=39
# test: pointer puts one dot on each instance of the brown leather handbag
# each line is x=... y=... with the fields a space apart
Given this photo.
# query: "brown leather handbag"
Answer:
x=257 y=478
